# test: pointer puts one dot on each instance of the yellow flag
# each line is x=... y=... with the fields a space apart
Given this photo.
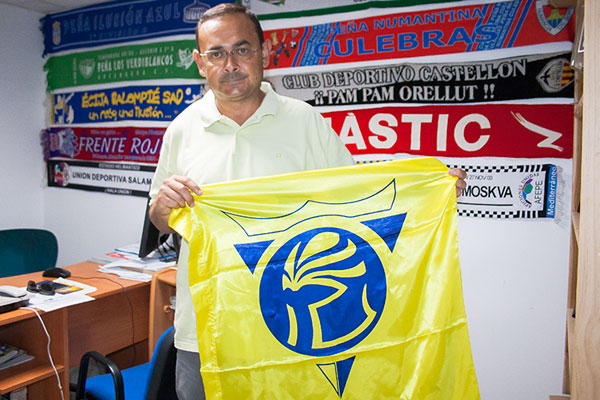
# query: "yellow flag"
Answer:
x=340 y=283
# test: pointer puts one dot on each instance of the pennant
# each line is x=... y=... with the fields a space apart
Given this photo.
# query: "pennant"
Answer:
x=128 y=103
x=130 y=144
x=437 y=31
x=162 y=60
x=121 y=21
x=524 y=191
x=515 y=78
x=484 y=130
x=340 y=283
x=274 y=9
x=114 y=178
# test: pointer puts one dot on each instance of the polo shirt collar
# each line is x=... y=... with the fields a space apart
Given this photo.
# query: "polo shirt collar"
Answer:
x=210 y=113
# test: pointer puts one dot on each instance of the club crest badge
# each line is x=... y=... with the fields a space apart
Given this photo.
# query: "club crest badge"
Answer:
x=556 y=75
x=66 y=142
x=553 y=20
x=87 y=67
x=56 y=33
x=61 y=174
x=186 y=58
x=193 y=12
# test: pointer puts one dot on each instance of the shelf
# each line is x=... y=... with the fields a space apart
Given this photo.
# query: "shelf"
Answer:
x=582 y=372
x=16 y=316
x=570 y=333
x=25 y=374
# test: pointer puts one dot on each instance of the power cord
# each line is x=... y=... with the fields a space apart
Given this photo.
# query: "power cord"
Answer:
x=168 y=247
x=60 y=388
x=130 y=308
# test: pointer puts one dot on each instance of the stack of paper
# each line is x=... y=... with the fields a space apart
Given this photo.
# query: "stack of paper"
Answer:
x=125 y=263
x=68 y=292
x=10 y=356
x=130 y=252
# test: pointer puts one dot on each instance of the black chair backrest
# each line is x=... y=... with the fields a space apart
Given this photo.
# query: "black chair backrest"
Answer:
x=162 y=381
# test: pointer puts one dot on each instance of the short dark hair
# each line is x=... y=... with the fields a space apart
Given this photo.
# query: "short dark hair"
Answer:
x=227 y=9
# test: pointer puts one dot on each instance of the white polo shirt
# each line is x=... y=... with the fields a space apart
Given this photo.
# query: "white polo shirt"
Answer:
x=283 y=135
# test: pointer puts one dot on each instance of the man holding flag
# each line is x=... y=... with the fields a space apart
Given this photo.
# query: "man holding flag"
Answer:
x=240 y=129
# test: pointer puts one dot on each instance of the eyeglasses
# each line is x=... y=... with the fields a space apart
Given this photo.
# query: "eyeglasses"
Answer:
x=218 y=57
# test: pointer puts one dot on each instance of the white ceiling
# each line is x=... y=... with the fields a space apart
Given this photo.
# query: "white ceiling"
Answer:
x=50 y=6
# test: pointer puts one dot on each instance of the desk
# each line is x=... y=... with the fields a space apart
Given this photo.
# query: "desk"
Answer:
x=161 y=316
x=115 y=323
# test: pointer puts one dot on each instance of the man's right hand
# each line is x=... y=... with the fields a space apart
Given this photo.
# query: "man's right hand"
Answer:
x=173 y=193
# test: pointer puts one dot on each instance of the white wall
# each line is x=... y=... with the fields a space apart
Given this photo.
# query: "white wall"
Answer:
x=515 y=299
x=88 y=223
x=21 y=119
x=85 y=223
x=515 y=296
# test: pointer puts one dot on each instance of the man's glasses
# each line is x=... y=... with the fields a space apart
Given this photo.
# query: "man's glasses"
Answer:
x=218 y=57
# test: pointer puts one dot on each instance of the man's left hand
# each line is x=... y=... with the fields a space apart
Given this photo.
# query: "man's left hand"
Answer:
x=461 y=184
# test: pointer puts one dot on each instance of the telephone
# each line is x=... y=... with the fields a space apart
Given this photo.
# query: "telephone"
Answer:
x=12 y=297
x=12 y=291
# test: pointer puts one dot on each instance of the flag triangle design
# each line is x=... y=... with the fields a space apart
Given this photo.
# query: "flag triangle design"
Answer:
x=252 y=252
x=337 y=374
x=387 y=228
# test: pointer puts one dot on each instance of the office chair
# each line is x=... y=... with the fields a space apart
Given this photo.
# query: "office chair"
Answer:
x=154 y=380
x=26 y=250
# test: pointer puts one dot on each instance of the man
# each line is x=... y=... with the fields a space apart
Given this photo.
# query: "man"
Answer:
x=239 y=129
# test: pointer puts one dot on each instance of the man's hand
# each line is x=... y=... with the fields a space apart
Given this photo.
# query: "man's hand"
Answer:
x=460 y=183
x=174 y=193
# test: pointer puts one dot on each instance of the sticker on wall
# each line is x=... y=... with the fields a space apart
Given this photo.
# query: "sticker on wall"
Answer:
x=113 y=178
x=516 y=78
x=131 y=103
x=510 y=191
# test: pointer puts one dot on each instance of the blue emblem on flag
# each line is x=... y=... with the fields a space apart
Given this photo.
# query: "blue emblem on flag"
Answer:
x=323 y=303
x=323 y=290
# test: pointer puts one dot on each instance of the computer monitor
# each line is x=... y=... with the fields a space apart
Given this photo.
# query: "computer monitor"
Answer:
x=150 y=235
x=152 y=238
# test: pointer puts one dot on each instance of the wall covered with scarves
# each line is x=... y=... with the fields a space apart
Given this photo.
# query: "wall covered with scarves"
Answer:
x=486 y=86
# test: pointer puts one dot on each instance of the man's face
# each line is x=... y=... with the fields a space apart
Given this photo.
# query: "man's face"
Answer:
x=235 y=78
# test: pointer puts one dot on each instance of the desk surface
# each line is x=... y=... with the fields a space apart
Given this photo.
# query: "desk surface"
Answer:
x=107 y=284
x=116 y=322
